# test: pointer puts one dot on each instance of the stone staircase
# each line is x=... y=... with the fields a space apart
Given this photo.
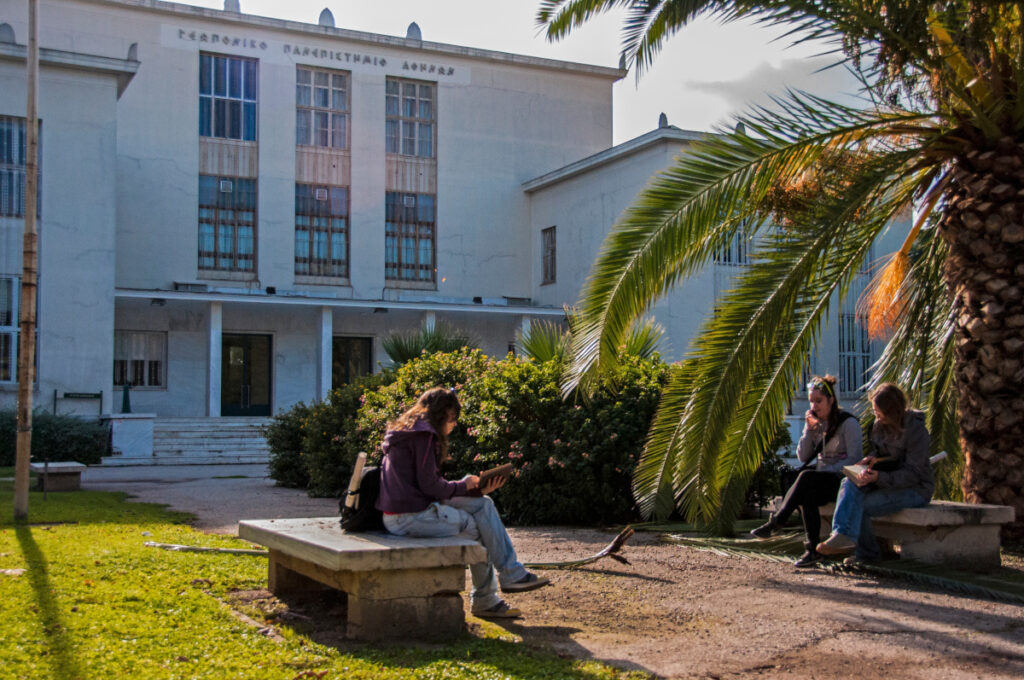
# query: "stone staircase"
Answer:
x=203 y=441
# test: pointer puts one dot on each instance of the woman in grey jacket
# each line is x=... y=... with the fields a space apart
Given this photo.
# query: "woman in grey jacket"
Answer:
x=831 y=435
x=906 y=479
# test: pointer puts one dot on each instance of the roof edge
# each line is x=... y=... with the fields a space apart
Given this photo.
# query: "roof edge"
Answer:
x=612 y=154
x=364 y=37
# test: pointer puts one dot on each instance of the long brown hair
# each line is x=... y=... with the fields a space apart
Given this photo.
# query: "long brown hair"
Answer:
x=892 y=402
x=826 y=384
x=436 y=406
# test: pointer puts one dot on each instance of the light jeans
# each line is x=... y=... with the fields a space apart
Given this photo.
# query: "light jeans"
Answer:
x=855 y=508
x=468 y=517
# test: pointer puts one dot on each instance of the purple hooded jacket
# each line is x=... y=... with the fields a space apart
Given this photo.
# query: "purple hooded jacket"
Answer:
x=410 y=478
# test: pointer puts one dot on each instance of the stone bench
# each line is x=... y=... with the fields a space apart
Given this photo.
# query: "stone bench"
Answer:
x=62 y=476
x=959 y=535
x=396 y=586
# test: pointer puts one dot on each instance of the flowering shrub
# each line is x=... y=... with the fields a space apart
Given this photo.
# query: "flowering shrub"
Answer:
x=574 y=459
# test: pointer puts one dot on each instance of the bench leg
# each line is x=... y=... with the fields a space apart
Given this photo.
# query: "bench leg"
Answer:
x=417 y=603
x=60 y=482
x=282 y=580
x=971 y=547
x=434 y=617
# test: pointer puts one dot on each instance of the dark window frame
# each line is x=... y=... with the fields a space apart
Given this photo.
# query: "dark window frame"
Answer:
x=225 y=221
x=228 y=97
x=409 y=226
x=327 y=218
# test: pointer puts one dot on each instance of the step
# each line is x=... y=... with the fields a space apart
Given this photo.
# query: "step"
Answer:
x=220 y=459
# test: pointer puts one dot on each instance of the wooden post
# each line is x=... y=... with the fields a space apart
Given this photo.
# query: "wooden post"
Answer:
x=29 y=272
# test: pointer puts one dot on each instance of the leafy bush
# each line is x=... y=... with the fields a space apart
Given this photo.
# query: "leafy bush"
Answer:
x=574 y=461
x=284 y=437
x=55 y=437
x=332 y=437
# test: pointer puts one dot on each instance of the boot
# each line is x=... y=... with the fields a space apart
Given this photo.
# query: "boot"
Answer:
x=766 y=530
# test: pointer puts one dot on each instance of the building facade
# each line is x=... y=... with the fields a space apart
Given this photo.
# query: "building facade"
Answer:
x=235 y=210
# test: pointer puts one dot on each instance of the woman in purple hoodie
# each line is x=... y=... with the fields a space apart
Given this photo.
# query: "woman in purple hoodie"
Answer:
x=417 y=501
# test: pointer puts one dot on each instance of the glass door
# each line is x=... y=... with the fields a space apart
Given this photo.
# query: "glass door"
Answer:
x=245 y=375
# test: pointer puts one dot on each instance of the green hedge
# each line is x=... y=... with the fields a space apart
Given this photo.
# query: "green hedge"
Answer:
x=56 y=437
x=574 y=459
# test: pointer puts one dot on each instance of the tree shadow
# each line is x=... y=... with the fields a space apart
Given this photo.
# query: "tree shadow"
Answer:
x=549 y=651
x=920 y=623
x=58 y=644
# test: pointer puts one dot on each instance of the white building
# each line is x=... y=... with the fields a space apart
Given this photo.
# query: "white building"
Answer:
x=235 y=209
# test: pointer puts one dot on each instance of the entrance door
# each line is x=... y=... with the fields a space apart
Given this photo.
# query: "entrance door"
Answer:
x=245 y=375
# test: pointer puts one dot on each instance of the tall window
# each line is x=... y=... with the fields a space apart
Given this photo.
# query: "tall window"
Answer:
x=409 y=237
x=855 y=357
x=140 y=359
x=227 y=97
x=13 y=141
x=350 y=359
x=227 y=223
x=9 y=291
x=321 y=116
x=410 y=116
x=548 y=255
x=321 y=230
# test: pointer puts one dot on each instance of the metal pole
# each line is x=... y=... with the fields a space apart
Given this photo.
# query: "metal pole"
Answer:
x=29 y=273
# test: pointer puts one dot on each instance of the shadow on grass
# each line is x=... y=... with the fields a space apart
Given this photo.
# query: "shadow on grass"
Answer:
x=88 y=507
x=59 y=648
x=545 y=651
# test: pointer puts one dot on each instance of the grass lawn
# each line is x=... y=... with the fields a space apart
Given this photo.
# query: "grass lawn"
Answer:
x=93 y=602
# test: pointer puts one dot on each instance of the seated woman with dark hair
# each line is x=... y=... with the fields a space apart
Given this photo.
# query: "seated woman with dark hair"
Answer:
x=418 y=501
x=832 y=436
x=899 y=476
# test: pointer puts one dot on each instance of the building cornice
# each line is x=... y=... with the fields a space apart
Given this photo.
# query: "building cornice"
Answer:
x=192 y=12
x=121 y=69
x=612 y=154
x=261 y=298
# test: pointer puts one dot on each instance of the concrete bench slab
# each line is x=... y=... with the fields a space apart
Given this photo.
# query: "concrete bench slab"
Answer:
x=396 y=586
x=961 y=535
x=60 y=476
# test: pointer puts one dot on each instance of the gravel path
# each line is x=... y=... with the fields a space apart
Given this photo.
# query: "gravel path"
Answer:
x=674 y=612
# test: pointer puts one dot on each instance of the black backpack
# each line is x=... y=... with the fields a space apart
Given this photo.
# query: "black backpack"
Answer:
x=366 y=516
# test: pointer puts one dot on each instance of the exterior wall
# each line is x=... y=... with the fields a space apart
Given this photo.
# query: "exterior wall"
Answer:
x=498 y=125
x=501 y=120
x=76 y=231
x=583 y=208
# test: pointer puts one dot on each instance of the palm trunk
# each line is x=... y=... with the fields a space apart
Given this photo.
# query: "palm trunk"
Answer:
x=985 y=273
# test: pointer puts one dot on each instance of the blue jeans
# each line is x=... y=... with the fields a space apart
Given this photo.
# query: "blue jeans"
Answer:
x=468 y=517
x=855 y=507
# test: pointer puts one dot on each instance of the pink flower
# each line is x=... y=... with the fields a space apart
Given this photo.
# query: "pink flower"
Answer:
x=557 y=442
x=586 y=456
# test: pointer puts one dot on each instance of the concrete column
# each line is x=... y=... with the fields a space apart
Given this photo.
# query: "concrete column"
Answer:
x=216 y=348
x=323 y=383
x=524 y=325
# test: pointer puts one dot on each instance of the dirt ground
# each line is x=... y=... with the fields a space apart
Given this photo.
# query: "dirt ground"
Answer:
x=676 y=612
x=673 y=611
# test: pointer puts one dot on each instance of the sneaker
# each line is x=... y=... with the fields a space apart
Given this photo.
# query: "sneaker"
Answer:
x=499 y=611
x=528 y=582
x=836 y=544
x=808 y=559
x=764 y=531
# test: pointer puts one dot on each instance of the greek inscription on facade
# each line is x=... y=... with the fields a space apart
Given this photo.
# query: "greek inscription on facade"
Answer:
x=219 y=39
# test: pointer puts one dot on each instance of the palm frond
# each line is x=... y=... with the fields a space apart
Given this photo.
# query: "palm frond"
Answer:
x=696 y=208
x=644 y=339
x=747 y=357
x=544 y=341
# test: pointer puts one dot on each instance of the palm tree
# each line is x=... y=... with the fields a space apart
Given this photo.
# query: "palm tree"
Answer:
x=815 y=183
